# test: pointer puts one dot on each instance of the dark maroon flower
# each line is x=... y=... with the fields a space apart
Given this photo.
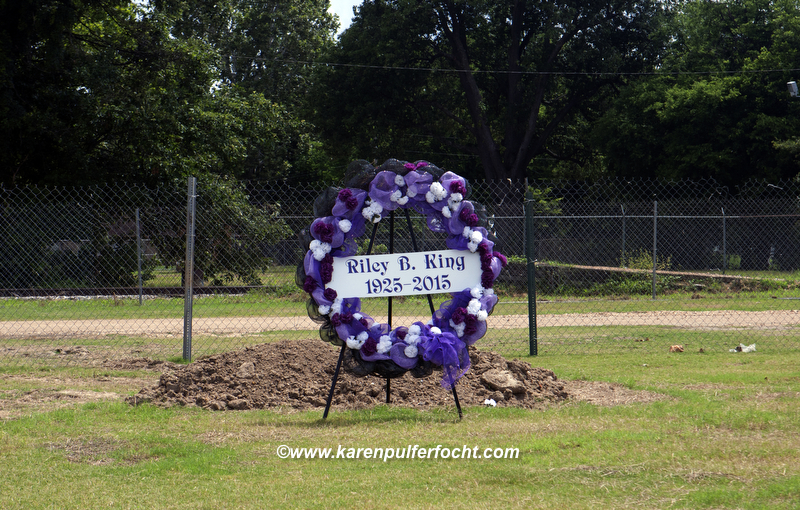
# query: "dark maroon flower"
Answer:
x=487 y=279
x=345 y=194
x=472 y=325
x=336 y=320
x=326 y=272
x=457 y=187
x=464 y=214
x=370 y=347
x=324 y=231
x=347 y=317
x=401 y=334
x=351 y=203
x=309 y=284
x=503 y=258
x=329 y=294
x=473 y=220
x=364 y=322
x=459 y=315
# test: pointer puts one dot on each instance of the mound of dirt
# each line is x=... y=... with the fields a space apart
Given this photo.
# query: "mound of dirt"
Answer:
x=298 y=374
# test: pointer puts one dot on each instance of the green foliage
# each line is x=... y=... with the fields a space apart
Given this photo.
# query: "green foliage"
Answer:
x=553 y=63
x=721 y=114
x=231 y=237
x=643 y=259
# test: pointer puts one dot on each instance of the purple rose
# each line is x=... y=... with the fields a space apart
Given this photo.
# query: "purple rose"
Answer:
x=370 y=347
x=309 y=284
x=459 y=315
x=336 y=320
x=329 y=294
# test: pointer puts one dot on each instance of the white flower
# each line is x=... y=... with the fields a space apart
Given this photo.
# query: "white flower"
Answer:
x=345 y=226
x=411 y=193
x=403 y=201
x=476 y=292
x=473 y=246
x=324 y=310
x=412 y=339
x=476 y=237
x=353 y=343
x=467 y=232
x=384 y=345
x=488 y=292
x=429 y=197
x=458 y=328
x=319 y=249
x=414 y=329
x=372 y=212
x=454 y=200
x=357 y=316
x=446 y=213
x=438 y=191
x=336 y=307
x=411 y=351
x=490 y=402
x=394 y=197
x=483 y=315
x=399 y=180
x=474 y=307
x=436 y=331
x=362 y=337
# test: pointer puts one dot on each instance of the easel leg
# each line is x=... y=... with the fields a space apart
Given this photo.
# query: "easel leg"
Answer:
x=458 y=405
x=388 y=391
x=333 y=383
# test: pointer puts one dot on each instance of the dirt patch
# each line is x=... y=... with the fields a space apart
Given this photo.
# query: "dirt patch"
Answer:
x=297 y=375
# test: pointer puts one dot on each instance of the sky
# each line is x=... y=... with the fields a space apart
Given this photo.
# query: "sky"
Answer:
x=344 y=8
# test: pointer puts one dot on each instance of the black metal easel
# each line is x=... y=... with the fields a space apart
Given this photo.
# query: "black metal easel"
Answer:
x=389 y=309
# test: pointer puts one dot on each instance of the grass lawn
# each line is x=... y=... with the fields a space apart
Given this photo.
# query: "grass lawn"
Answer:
x=726 y=436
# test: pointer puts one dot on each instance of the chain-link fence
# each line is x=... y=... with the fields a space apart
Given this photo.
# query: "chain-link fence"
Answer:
x=93 y=273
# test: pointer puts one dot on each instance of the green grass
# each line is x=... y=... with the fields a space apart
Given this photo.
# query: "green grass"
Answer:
x=727 y=436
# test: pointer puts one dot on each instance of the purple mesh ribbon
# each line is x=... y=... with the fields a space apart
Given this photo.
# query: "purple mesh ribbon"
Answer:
x=449 y=352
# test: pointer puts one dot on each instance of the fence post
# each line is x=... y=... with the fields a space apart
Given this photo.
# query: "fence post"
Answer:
x=622 y=206
x=655 y=244
x=191 y=209
x=139 y=254
x=724 y=244
x=530 y=255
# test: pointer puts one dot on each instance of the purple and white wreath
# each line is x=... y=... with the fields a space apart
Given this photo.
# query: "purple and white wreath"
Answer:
x=458 y=323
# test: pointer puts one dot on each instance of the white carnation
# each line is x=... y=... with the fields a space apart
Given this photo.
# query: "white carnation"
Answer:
x=476 y=292
x=384 y=345
x=483 y=315
x=399 y=180
x=357 y=316
x=473 y=246
x=394 y=197
x=467 y=232
x=438 y=191
x=412 y=339
x=414 y=329
x=436 y=331
x=411 y=193
x=345 y=226
x=446 y=212
x=352 y=343
x=411 y=351
x=474 y=307
x=403 y=201
x=458 y=328
x=454 y=200
x=336 y=307
x=362 y=337
x=476 y=237
x=324 y=310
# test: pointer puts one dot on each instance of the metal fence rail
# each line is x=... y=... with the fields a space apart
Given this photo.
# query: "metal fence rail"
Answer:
x=93 y=273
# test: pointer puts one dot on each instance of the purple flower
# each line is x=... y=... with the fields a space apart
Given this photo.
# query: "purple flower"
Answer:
x=345 y=194
x=336 y=320
x=401 y=333
x=309 y=284
x=364 y=322
x=459 y=315
x=487 y=279
x=472 y=325
x=370 y=347
x=503 y=258
x=329 y=294
x=473 y=220
x=457 y=187
x=324 y=231
x=347 y=318
x=326 y=271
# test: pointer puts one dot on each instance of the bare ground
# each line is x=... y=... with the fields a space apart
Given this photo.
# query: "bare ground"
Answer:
x=296 y=375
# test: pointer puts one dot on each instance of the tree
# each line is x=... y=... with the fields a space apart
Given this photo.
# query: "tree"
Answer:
x=719 y=106
x=498 y=80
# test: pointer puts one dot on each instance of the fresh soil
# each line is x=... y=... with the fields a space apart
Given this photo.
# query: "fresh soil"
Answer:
x=298 y=374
